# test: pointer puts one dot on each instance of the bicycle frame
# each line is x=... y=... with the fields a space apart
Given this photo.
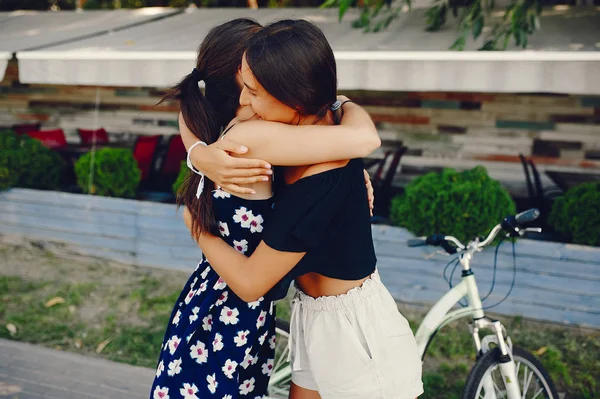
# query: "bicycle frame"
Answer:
x=441 y=315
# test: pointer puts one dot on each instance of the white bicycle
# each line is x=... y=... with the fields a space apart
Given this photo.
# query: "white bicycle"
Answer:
x=501 y=370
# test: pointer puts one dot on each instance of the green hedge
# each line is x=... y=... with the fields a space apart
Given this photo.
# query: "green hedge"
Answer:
x=116 y=173
x=463 y=204
x=183 y=173
x=577 y=214
x=26 y=162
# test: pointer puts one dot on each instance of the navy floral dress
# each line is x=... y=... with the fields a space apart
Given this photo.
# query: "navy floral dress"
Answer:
x=216 y=345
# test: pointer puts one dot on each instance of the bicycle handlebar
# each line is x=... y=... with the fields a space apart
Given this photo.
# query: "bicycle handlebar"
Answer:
x=527 y=216
x=510 y=224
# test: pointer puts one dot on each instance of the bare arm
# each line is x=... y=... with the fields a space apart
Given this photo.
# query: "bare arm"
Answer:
x=249 y=277
x=287 y=145
x=280 y=144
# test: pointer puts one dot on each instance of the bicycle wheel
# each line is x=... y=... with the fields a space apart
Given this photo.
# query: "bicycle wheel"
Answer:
x=534 y=380
x=279 y=384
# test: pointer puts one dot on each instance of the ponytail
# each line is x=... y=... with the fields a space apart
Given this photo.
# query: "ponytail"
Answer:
x=203 y=120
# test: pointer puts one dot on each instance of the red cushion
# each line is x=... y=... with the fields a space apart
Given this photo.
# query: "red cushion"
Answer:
x=175 y=154
x=26 y=128
x=87 y=136
x=143 y=152
x=50 y=138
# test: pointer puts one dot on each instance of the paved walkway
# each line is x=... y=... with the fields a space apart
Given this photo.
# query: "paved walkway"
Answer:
x=33 y=372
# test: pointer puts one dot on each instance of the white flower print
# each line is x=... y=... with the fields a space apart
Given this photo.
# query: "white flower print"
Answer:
x=243 y=217
x=229 y=368
x=174 y=342
x=189 y=391
x=189 y=296
x=174 y=367
x=247 y=359
x=255 y=304
x=227 y=397
x=224 y=229
x=262 y=318
x=212 y=383
x=272 y=342
x=261 y=339
x=194 y=315
x=207 y=323
x=160 y=369
x=205 y=272
x=267 y=368
x=247 y=386
x=160 y=393
x=222 y=299
x=202 y=287
x=271 y=307
x=218 y=342
x=176 y=318
x=229 y=316
x=256 y=224
x=194 y=282
x=242 y=338
x=218 y=193
x=220 y=284
x=240 y=246
x=199 y=353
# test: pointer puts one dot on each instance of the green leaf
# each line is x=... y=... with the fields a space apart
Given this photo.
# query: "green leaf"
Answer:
x=344 y=4
x=328 y=3
x=362 y=21
x=459 y=44
x=478 y=27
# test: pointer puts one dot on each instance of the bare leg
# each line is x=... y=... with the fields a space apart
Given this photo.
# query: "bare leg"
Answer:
x=297 y=392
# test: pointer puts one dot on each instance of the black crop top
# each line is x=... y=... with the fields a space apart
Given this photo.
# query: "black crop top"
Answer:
x=327 y=216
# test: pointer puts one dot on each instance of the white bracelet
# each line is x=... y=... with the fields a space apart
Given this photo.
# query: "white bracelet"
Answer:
x=193 y=169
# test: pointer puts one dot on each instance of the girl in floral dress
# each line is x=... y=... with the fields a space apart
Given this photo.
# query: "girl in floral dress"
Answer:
x=216 y=345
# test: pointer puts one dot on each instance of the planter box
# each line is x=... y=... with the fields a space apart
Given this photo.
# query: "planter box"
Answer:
x=129 y=231
x=554 y=282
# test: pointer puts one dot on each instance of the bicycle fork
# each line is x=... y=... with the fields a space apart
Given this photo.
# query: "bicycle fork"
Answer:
x=506 y=363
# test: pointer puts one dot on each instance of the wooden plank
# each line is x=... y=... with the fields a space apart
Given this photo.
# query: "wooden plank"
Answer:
x=544 y=292
x=70 y=226
x=67 y=200
x=68 y=213
x=508 y=309
x=431 y=271
x=485 y=261
x=545 y=249
x=35 y=233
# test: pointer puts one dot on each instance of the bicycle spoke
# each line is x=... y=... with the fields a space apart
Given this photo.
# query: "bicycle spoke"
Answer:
x=538 y=392
x=526 y=383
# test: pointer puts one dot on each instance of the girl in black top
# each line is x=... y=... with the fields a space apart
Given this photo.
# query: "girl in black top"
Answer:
x=319 y=234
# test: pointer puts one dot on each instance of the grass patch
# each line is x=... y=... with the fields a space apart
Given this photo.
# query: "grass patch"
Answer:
x=121 y=315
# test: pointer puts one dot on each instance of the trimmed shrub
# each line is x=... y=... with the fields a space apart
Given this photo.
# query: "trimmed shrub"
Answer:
x=116 y=173
x=183 y=173
x=577 y=214
x=462 y=204
x=25 y=162
x=10 y=159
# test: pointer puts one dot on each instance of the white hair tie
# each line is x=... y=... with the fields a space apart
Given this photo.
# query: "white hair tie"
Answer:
x=196 y=171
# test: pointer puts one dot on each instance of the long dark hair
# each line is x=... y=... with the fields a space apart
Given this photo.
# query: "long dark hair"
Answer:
x=294 y=62
x=218 y=62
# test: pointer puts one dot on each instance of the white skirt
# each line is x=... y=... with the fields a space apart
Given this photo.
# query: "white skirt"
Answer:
x=354 y=346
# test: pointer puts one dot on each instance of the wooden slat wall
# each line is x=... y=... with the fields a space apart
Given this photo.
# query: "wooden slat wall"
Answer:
x=555 y=282
x=140 y=233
